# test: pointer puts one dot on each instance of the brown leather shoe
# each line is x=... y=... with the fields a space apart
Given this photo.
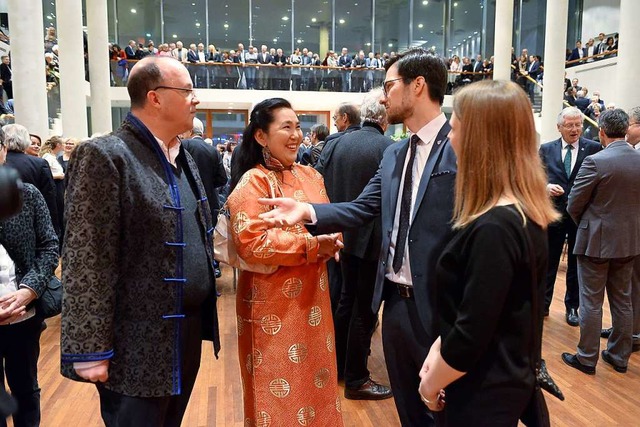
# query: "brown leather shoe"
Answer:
x=370 y=390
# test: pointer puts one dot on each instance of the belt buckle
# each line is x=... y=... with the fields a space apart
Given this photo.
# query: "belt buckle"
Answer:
x=404 y=291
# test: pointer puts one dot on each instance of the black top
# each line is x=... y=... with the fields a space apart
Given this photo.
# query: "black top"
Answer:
x=484 y=280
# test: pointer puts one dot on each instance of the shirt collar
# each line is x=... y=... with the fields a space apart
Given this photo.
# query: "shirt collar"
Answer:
x=429 y=132
x=574 y=145
x=169 y=153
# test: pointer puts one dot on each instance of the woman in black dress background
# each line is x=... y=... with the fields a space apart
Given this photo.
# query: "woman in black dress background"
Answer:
x=481 y=363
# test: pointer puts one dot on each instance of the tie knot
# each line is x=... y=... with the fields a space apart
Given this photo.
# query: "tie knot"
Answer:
x=414 y=141
x=569 y=147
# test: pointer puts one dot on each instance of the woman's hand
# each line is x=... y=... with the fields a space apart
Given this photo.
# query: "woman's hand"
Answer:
x=14 y=305
x=433 y=398
x=330 y=245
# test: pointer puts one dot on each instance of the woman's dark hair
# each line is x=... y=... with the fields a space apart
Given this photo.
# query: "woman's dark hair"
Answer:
x=248 y=154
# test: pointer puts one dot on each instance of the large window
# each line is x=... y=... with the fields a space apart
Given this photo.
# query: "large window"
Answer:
x=312 y=24
x=229 y=23
x=271 y=24
x=185 y=22
x=428 y=28
x=392 y=31
x=353 y=25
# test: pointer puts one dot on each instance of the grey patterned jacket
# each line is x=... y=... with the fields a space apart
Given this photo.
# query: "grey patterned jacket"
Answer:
x=31 y=241
x=122 y=294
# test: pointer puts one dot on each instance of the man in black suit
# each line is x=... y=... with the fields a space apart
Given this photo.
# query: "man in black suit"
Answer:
x=561 y=172
x=415 y=230
x=209 y=164
x=346 y=119
x=130 y=50
x=264 y=72
x=6 y=77
x=578 y=52
x=478 y=68
x=32 y=170
x=355 y=159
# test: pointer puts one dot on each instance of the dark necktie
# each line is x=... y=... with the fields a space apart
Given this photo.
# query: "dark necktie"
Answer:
x=405 y=207
x=567 y=160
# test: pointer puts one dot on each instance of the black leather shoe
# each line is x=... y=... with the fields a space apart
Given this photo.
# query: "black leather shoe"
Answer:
x=607 y=358
x=572 y=360
x=572 y=317
x=606 y=333
x=370 y=390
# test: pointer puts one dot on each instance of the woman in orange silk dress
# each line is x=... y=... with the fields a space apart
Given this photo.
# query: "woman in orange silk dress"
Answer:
x=285 y=328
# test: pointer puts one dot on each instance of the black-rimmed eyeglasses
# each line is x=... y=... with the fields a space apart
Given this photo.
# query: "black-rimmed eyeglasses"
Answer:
x=386 y=86
x=189 y=91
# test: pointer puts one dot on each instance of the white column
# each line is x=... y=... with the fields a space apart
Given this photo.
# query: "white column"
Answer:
x=503 y=40
x=27 y=65
x=73 y=101
x=98 y=35
x=628 y=93
x=554 y=66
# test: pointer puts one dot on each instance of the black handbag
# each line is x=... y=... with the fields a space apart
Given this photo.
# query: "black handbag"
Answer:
x=536 y=413
x=50 y=302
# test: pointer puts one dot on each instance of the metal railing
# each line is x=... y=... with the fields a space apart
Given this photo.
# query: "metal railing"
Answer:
x=215 y=75
x=592 y=58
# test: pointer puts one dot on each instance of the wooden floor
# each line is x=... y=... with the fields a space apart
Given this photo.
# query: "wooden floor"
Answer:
x=606 y=399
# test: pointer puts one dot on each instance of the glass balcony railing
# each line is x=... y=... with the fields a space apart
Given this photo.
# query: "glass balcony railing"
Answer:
x=212 y=75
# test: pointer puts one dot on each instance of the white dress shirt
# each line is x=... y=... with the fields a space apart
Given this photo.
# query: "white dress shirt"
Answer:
x=427 y=136
x=574 y=152
x=8 y=282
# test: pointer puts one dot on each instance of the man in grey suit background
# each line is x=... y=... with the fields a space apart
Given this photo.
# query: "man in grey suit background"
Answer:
x=633 y=139
x=604 y=202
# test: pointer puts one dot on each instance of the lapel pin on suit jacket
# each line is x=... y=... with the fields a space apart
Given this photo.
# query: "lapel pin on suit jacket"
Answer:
x=439 y=141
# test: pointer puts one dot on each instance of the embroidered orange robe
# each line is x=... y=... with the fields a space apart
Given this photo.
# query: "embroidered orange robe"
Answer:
x=285 y=326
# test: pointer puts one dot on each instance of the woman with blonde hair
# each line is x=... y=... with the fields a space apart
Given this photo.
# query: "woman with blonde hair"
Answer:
x=490 y=317
x=51 y=149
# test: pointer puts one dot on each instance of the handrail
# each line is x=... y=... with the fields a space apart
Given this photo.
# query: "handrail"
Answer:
x=584 y=116
x=595 y=57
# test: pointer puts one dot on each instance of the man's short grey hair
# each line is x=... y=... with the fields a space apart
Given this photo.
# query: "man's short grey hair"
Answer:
x=634 y=114
x=371 y=111
x=614 y=123
x=16 y=137
x=569 y=113
x=198 y=127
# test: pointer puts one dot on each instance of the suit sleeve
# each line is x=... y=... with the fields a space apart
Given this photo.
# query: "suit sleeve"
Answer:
x=583 y=187
x=219 y=174
x=90 y=256
x=339 y=216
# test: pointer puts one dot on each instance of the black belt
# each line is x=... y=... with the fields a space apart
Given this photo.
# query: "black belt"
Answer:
x=405 y=291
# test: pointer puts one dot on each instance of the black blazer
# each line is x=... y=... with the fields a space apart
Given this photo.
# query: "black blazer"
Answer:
x=36 y=171
x=551 y=155
x=328 y=147
x=361 y=151
x=31 y=242
x=431 y=227
x=268 y=59
x=211 y=170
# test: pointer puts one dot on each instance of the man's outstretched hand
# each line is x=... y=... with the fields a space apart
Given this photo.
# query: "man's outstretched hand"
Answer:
x=286 y=212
